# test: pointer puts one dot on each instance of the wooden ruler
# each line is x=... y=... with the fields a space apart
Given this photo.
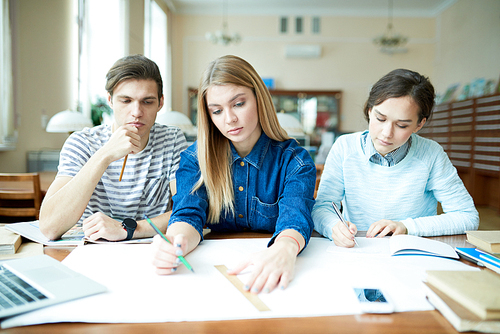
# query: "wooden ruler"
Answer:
x=254 y=299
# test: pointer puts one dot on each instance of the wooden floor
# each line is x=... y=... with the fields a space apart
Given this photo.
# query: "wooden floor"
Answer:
x=489 y=219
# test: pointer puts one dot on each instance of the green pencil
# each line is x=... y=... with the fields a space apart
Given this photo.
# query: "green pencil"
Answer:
x=183 y=260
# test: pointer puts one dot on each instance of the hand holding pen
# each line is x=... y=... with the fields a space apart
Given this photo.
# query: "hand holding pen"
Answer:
x=339 y=214
x=180 y=257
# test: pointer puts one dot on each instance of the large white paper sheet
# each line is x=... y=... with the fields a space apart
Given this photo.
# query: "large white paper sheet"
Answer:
x=322 y=285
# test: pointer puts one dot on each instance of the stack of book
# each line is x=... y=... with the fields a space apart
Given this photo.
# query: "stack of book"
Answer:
x=469 y=300
x=487 y=240
x=9 y=241
x=487 y=253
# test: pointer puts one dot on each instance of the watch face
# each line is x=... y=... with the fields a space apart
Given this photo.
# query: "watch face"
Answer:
x=130 y=223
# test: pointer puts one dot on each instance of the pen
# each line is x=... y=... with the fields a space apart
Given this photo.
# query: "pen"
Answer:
x=183 y=260
x=337 y=211
x=123 y=167
x=469 y=258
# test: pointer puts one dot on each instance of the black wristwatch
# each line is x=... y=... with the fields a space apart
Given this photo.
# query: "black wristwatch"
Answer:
x=129 y=225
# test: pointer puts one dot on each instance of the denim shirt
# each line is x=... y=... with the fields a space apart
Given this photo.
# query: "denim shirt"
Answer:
x=273 y=190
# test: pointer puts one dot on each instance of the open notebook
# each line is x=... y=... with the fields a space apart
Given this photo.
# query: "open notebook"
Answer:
x=30 y=283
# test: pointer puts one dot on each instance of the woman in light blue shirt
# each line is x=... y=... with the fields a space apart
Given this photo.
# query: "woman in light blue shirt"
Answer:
x=243 y=174
x=388 y=178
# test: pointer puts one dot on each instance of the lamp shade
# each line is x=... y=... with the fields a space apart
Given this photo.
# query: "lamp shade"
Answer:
x=177 y=119
x=68 y=121
x=291 y=124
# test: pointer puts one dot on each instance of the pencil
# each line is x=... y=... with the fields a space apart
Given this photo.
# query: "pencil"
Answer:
x=337 y=211
x=123 y=167
x=183 y=260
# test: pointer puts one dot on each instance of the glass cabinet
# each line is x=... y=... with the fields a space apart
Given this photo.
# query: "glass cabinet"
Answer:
x=317 y=111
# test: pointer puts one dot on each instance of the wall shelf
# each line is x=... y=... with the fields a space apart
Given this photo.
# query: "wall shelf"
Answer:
x=469 y=132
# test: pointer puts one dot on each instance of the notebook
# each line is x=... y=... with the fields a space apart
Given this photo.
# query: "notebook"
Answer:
x=30 y=283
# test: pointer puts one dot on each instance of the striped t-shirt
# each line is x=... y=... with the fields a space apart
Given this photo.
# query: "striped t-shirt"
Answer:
x=144 y=188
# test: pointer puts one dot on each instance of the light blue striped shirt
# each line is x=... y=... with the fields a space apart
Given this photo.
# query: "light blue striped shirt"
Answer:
x=390 y=159
x=144 y=188
x=407 y=192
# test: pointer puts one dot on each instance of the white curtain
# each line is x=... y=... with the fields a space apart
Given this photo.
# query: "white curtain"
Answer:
x=7 y=130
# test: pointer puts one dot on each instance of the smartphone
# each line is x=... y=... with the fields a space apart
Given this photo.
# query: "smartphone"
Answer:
x=374 y=301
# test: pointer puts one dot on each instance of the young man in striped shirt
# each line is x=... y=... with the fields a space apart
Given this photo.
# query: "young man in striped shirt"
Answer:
x=87 y=188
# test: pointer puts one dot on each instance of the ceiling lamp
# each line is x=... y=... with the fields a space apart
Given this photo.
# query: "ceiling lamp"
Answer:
x=223 y=37
x=390 y=42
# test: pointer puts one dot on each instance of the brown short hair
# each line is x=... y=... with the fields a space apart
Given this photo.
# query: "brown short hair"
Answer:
x=133 y=67
x=399 y=83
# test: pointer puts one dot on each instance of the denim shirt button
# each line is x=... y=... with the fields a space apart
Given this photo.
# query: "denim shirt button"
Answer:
x=240 y=188
x=240 y=216
x=242 y=164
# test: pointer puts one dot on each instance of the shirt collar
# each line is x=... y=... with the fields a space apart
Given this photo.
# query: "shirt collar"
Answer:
x=390 y=159
x=256 y=156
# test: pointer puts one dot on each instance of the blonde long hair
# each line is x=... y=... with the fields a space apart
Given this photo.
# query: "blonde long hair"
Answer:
x=214 y=151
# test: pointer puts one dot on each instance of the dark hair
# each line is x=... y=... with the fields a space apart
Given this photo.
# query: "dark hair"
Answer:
x=133 y=67
x=399 y=83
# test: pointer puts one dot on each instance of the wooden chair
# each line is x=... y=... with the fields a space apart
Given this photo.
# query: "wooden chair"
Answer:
x=20 y=195
x=319 y=172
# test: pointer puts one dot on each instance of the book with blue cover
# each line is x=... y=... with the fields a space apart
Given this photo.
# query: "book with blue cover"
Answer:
x=480 y=258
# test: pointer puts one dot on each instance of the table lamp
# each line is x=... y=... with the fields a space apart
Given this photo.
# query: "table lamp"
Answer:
x=68 y=121
x=293 y=127
x=291 y=124
x=178 y=119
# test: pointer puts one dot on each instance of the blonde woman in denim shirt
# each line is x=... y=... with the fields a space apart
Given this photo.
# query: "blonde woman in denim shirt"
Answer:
x=243 y=174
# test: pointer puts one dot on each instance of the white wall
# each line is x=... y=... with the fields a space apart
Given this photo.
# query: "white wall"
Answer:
x=468 y=43
x=460 y=44
x=349 y=62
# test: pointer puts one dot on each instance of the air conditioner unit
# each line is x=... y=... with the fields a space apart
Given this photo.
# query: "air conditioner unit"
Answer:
x=303 y=51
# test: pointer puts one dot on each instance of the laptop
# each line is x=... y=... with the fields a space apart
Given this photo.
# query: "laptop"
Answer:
x=34 y=282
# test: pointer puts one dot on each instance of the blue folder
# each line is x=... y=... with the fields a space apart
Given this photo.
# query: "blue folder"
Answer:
x=478 y=257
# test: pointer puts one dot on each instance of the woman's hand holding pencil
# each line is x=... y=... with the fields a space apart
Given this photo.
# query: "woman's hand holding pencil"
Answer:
x=168 y=255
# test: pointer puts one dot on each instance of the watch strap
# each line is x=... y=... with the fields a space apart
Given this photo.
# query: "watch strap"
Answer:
x=129 y=225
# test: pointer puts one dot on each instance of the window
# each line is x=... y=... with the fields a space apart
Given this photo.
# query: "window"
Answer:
x=156 y=45
x=283 y=24
x=315 y=25
x=103 y=32
x=298 y=25
x=7 y=130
